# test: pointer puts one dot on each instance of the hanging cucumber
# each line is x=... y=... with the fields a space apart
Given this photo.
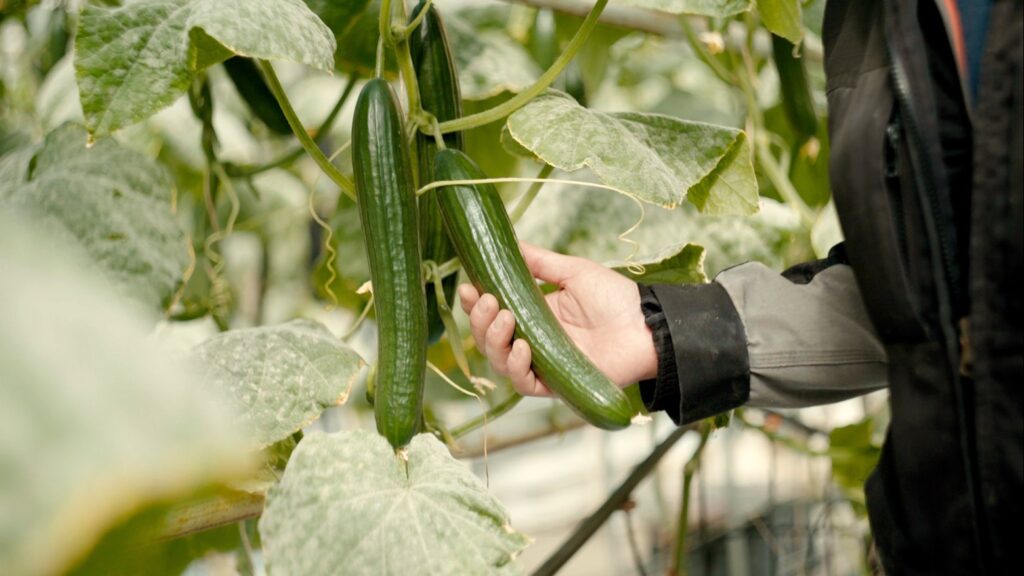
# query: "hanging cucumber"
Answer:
x=257 y=96
x=486 y=243
x=795 y=89
x=439 y=94
x=387 y=210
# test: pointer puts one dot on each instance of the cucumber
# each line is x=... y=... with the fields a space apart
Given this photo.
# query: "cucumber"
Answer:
x=486 y=243
x=257 y=96
x=795 y=90
x=439 y=94
x=387 y=210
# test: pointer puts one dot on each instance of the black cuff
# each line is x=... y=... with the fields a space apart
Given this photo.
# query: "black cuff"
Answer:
x=661 y=393
x=703 y=366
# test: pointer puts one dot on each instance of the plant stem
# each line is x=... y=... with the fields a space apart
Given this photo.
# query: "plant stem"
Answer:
x=701 y=51
x=332 y=171
x=412 y=88
x=494 y=412
x=405 y=32
x=210 y=513
x=762 y=153
x=782 y=184
x=691 y=467
x=613 y=503
x=289 y=157
x=445 y=311
x=384 y=22
x=542 y=83
x=448 y=268
x=530 y=194
x=504 y=444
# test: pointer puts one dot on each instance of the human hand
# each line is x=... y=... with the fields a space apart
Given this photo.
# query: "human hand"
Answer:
x=598 y=307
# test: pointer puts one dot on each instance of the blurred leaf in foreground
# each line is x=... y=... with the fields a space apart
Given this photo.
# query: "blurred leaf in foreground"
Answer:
x=97 y=428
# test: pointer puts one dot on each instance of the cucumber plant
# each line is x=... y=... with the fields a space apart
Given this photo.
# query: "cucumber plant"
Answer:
x=216 y=213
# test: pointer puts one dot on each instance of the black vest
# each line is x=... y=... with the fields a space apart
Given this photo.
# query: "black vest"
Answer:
x=931 y=211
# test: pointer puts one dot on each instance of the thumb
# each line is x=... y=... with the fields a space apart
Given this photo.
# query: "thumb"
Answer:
x=550 y=266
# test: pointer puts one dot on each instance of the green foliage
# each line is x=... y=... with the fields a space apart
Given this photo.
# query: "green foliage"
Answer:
x=654 y=158
x=136 y=59
x=782 y=18
x=427 y=514
x=854 y=455
x=120 y=213
x=674 y=265
x=102 y=428
x=281 y=377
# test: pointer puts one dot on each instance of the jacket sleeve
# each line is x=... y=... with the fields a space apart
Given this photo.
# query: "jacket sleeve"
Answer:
x=763 y=339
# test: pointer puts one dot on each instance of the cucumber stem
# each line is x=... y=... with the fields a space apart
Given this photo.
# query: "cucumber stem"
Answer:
x=332 y=171
x=530 y=194
x=490 y=415
x=289 y=157
x=404 y=32
x=550 y=75
x=445 y=311
x=702 y=53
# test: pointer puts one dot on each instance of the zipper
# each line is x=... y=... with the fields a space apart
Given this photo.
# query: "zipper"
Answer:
x=945 y=270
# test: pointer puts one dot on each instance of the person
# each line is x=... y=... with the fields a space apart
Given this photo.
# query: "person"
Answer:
x=925 y=124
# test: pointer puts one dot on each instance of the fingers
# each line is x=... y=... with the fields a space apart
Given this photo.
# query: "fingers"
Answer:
x=550 y=266
x=498 y=340
x=468 y=297
x=493 y=331
x=481 y=317
x=520 y=372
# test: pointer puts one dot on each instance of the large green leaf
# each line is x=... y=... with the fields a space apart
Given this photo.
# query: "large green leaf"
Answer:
x=782 y=17
x=98 y=428
x=654 y=158
x=489 y=61
x=715 y=8
x=348 y=505
x=280 y=377
x=110 y=201
x=135 y=59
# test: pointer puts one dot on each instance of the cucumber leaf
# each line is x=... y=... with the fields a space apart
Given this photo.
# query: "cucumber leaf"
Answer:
x=651 y=157
x=101 y=429
x=782 y=18
x=136 y=59
x=280 y=377
x=348 y=505
x=107 y=200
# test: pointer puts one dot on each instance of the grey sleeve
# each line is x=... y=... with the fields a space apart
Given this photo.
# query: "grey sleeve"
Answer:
x=807 y=344
x=757 y=337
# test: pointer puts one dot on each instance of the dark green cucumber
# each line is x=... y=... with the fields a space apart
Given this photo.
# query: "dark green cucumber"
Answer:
x=257 y=95
x=795 y=89
x=486 y=243
x=387 y=210
x=439 y=94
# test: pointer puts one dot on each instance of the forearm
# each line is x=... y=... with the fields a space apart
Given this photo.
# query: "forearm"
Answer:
x=755 y=337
